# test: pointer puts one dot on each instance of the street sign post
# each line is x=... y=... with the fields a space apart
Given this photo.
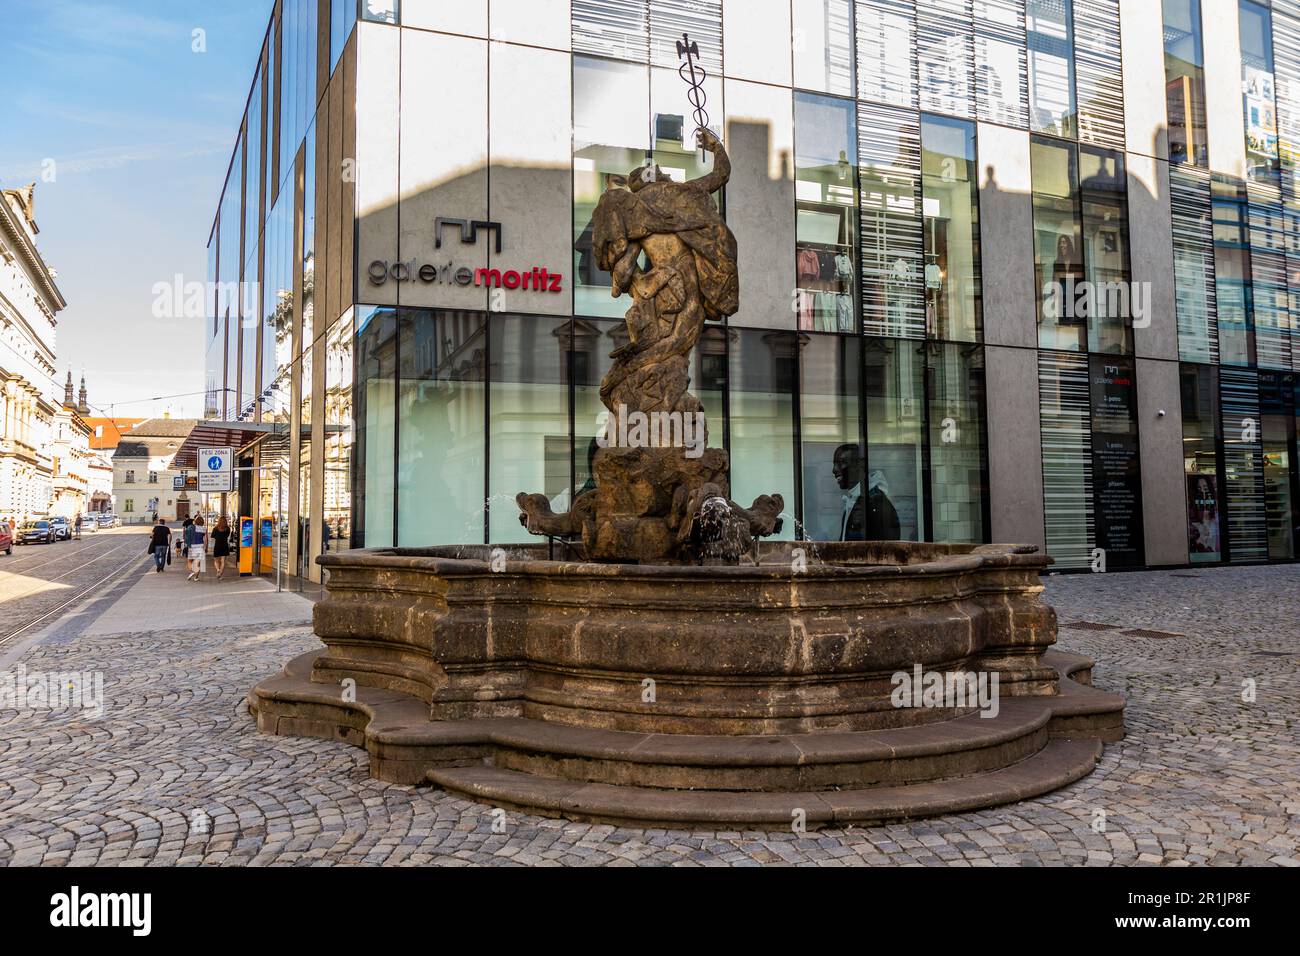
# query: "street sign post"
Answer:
x=216 y=469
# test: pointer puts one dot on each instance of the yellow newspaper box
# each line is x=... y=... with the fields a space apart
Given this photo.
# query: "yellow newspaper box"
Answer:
x=245 y=546
x=266 y=561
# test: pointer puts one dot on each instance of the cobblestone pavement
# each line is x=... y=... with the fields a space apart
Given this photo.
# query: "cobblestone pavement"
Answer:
x=1203 y=777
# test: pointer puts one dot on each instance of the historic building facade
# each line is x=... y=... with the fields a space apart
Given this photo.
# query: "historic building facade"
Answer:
x=29 y=302
x=70 y=454
x=144 y=476
x=1029 y=266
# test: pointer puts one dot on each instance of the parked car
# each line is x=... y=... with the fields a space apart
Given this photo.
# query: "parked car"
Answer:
x=36 y=532
x=6 y=538
x=107 y=520
x=62 y=529
x=88 y=523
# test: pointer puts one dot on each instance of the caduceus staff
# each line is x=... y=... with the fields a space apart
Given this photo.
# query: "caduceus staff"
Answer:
x=694 y=76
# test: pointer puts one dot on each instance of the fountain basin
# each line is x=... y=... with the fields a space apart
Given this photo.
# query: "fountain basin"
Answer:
x=731 y=650
x=649 y=681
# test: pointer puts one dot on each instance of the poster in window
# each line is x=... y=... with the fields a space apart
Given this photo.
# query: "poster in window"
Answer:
x=1203 y=541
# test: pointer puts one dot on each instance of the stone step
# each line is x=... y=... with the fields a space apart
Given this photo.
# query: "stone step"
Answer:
x=1059 y=763
x=960 y=746
x=404 y=744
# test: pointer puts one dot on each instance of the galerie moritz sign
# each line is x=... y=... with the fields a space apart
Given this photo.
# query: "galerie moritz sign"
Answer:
x=532 y=279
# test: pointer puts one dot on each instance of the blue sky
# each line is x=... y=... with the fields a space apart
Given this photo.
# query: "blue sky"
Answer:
x=140 y=128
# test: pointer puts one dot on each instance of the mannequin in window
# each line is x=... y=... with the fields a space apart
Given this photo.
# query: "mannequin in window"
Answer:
x=1067 y=273
x=869 y=517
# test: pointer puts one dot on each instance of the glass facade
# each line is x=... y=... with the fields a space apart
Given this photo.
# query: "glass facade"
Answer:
x=1185 y=82
x=950 y=207
x=869 y=145
x=826 y=213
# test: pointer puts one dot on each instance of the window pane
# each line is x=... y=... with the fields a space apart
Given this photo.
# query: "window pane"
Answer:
x=669 y=19
x=823 y=46
x=1270 y=305
x=893 y=386
x=1099 y=72
x=376 y=398
x=1058 y=245
x=440 y=428
x=610 y=139
x=1000 y=64
x=1189 y=192
x=886 y=60
x=1243 y=466
x=1277 y=405
x=530 y=447
x=616 y=28
x=338 y=435
x=1200 y=402
x=893 y=247
x=950 y=191
x=381 y=11
x=1050 y=30
x=763 y=368
x=1103 y=187
x=1232 y=274
x=945 y=56
x=343 y=16
x=958 y=449
x=834 y=503
x=1258 y=92
x=1067 y=457
x=826 y=201
x=1185 y=83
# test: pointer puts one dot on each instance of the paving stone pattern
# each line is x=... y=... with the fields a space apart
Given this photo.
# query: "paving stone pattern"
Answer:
x=175 y=772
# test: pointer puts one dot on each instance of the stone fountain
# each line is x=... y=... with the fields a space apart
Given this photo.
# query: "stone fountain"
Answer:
x=675 y=668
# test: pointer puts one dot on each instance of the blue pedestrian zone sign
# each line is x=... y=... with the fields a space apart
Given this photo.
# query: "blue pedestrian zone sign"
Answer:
x=215 y=473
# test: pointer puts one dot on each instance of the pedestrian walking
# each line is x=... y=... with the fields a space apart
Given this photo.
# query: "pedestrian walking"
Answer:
x=220 y=545
x=198 y=548
x=160 y=545
x=76 y=527
x=186 y=525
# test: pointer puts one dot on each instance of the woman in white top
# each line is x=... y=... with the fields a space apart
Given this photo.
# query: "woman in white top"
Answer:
x=197 y=559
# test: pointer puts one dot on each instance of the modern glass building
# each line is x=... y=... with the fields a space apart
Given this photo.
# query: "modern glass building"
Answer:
x=1038 y=260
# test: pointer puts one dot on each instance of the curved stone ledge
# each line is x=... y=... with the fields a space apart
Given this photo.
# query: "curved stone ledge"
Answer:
x=761 y=649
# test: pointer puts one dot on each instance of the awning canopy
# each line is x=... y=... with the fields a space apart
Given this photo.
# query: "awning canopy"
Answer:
x=214 y=434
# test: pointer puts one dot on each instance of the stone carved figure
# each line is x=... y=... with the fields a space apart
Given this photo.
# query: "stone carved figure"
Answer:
x=661 y=494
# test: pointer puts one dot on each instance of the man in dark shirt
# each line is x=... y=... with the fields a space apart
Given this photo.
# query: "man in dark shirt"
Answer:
x=869 y=517
x=159 y=542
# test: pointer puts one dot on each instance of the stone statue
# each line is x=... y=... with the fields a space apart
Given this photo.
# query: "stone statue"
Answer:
x=661 y=494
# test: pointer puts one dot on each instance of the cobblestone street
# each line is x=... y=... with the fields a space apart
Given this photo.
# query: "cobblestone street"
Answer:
x=1202 y=777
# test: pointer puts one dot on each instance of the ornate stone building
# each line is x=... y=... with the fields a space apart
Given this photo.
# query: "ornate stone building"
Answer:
x=70 y=455
x=29 y=302
x=143 y=472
